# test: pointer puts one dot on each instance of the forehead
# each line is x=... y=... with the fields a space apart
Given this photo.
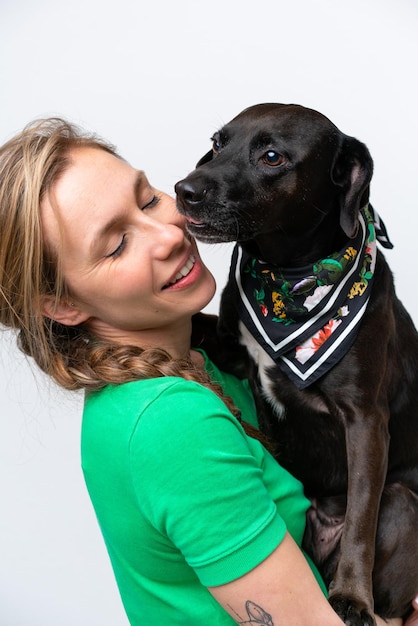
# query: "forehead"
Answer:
x=90 y=174
x=90 y=187
x=293 y=125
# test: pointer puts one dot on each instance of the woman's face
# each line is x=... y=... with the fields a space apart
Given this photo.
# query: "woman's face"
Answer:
x=132 y=272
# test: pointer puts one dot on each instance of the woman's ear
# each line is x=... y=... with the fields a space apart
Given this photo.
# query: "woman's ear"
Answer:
x=64 y=312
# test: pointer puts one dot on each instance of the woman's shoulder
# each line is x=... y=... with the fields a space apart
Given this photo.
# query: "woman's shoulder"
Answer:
x=145 y=392
x=238 y=389
x=153 y=405
x=143 y=417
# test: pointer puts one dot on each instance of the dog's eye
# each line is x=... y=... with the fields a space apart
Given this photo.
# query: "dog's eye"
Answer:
x=216 y=146
x=273 y=158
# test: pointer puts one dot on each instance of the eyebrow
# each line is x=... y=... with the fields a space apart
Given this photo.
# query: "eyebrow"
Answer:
x=107 y=227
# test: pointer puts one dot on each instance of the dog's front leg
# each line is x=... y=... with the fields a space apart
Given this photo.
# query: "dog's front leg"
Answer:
x=367 y=442
x=232 y=355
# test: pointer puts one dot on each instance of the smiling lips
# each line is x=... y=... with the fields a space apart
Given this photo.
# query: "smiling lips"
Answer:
x=186 y=269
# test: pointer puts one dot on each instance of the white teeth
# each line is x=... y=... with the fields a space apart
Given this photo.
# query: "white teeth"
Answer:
x=184 y=270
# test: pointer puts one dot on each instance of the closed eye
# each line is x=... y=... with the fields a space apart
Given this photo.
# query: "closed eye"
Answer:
x=121 y=247
x=118 y=251
x=155 y=200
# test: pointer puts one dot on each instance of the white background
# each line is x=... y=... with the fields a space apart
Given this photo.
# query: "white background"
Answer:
x=157 y=78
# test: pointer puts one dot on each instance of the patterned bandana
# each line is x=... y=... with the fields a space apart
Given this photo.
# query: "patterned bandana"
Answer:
x=307 y=318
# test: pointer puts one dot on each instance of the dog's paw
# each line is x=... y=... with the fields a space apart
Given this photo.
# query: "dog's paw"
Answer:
x=350 y=611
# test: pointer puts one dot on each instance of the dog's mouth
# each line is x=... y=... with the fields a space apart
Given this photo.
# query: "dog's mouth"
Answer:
x=209 y=232
x=220 y=232
x=192 y=220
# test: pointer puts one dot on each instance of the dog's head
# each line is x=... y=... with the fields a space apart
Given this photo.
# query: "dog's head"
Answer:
x=282 y=180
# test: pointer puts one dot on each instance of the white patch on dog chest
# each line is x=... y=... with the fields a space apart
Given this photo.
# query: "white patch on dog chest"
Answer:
x=263 y=362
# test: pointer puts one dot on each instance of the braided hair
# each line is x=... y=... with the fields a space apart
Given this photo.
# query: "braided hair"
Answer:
x=30 y=164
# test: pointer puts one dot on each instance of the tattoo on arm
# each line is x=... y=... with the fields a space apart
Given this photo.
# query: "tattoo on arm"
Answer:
x=256 y=615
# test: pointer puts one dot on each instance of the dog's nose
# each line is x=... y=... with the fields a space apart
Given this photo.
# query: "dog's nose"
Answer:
x=188 y=194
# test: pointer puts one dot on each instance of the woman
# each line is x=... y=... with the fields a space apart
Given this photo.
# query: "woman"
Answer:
x=100 y=280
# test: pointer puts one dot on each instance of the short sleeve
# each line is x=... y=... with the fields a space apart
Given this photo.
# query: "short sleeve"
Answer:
x=200 y=481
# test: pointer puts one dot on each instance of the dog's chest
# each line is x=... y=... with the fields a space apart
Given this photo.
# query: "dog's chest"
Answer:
x=299 y=422
x=264 y=363
x=269 y=374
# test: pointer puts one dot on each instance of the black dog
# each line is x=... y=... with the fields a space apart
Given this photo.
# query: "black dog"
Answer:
x=333 y=355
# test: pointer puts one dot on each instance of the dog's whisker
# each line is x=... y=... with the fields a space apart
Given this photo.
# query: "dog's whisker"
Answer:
x=317 y=208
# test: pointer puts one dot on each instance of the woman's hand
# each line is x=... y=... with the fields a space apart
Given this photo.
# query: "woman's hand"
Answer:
x=413 y=619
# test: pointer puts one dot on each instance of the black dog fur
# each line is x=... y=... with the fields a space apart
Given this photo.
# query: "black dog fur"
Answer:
x=287 y=185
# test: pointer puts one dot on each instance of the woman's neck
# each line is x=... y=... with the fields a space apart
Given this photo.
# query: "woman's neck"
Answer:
x=174 y=339
x=197 y=358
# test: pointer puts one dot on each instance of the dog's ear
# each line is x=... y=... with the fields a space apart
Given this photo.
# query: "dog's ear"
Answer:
x=352 y=172
x=205 y=159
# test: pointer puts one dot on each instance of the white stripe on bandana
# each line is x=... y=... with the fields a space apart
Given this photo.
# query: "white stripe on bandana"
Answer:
x=307 y=318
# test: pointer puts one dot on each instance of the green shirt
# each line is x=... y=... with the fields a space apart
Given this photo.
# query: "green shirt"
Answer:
x=184 y=498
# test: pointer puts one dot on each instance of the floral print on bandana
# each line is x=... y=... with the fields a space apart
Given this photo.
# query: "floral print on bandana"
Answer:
x=289 y=301
x=308 y=348
x=307 y=318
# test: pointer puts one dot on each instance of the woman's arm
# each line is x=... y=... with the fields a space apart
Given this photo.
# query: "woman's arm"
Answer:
x=282 y=591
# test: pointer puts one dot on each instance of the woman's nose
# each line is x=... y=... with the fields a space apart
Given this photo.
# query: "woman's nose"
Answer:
x=173 y=216
x=168 y=239
x=170 y=228
x=166 y=228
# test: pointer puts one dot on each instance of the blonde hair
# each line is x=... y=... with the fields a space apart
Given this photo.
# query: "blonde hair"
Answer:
x=30 y=163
